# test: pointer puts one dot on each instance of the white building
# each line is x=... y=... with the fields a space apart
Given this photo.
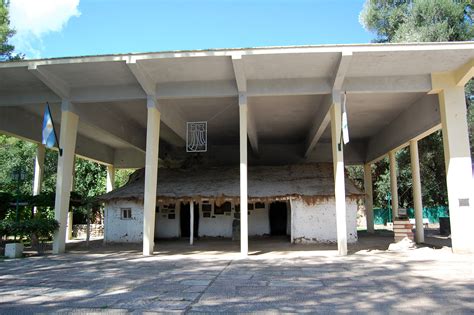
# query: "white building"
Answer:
x=297 y=201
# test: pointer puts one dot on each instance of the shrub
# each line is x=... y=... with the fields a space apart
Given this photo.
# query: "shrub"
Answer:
x=41 y=227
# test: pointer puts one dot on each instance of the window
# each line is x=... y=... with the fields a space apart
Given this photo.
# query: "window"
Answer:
x=226 y=207
x=259 y=206
x=126 y=213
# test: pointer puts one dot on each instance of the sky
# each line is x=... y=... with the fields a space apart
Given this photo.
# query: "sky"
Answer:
x=59 y=28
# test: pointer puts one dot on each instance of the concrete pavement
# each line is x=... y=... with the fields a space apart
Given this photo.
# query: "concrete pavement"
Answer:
x=118 y=279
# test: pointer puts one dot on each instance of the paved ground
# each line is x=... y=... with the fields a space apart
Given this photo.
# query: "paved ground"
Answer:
x=209 y=277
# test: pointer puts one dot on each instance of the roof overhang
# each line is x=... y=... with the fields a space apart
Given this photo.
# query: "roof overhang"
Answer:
x=289 y=91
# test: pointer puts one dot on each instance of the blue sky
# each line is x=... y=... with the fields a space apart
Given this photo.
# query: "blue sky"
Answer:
x=88 y=27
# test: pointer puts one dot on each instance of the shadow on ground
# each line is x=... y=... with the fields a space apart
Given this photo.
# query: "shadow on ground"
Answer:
x=209 y=277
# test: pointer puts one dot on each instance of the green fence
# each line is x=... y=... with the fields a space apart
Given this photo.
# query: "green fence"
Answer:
x=382 y=216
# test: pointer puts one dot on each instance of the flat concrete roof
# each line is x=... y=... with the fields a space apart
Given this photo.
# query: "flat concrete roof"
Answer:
x=287 y=87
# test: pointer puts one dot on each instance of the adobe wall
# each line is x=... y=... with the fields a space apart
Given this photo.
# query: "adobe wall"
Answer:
x=317 y=223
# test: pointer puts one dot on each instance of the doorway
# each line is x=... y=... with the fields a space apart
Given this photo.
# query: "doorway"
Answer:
x=185 y=217
x=278 y=218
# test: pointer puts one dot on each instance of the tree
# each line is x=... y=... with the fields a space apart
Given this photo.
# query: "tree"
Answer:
x=6 y=49
x=420 y=21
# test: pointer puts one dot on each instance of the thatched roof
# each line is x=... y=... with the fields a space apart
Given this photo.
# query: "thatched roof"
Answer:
x=308 y=181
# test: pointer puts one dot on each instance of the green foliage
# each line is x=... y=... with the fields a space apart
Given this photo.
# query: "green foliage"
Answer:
x=41 y=227
x=121 y=176
x=6 y=49
x=90 y=178
x=419 y=20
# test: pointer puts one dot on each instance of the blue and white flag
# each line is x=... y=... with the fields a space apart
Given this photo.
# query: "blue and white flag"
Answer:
x=345 y=128
x=49 y=136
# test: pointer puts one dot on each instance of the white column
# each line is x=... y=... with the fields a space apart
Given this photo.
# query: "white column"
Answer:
x=73 y=173
x=191 y=222
x=69 y=225
x=110 y=177
x=458 y=168
x=339 y=185
x=151 y=175
x=39 y=171
x=244 y=244
x=369 y=198
x=416 y=184
x=67 y=143
x=393 y=184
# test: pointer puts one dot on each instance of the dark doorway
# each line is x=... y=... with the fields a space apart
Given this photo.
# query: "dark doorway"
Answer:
x=185 y=217
x=278 y=218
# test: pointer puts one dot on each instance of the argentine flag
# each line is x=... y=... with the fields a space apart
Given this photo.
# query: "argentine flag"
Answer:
x=345 y=128
x=49 y=137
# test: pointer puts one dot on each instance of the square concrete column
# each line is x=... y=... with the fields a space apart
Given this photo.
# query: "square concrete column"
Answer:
x=151 y=174
x=369 y=198
x=243 y=110
x=393 y=183
x=110 y=178
x=39 y=171
x=191 y=222
x=67 y=142
x=339 y=180
x=458 y=164
x=69 y=225
x=416 y=187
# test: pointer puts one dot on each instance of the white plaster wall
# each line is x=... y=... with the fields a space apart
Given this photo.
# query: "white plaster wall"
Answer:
x=221 y=225
x=168 y=228
x=259 y=222
x=123 y=230
x=317 y=223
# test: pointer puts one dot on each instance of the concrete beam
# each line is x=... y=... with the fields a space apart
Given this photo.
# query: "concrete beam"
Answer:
x=107 y=94
x=464 y=73
x=56 y=84
x=392 y=84
x=143 y=78
x=129 y=158
x=169 y=116
x=239 y=71
x=344 y=64
x=196 y=89
x=320 y=123
x=28 y=98
x=416 y=122
x=241 y=82
x=304 y=86
x=113 y=124
x=27 y=126
x=251 y=128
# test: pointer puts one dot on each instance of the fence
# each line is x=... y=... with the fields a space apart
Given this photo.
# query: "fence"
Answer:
x=382 y=216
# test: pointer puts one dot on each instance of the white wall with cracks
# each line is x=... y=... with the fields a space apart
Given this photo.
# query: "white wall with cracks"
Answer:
x=305 y=223
x=316 y=223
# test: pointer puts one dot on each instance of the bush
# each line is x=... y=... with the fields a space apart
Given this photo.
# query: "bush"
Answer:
x=41 y=227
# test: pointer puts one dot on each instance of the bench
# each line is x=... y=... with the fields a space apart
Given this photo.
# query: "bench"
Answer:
x=425 y=222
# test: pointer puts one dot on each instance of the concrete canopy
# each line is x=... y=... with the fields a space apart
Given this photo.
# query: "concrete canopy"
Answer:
x=289 y=92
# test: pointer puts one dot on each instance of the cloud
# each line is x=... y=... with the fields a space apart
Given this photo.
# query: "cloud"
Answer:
x=32 y=19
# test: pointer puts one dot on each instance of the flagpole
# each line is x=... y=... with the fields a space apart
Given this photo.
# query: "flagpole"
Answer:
x=54 y=131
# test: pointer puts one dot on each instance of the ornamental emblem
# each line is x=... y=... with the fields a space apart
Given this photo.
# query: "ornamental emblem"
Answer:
x=196 y=136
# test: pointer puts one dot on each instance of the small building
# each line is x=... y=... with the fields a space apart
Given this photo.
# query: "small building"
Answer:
x=295 y=200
